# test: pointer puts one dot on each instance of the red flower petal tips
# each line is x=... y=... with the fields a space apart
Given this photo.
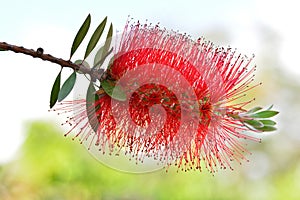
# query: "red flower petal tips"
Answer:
x=182 y=102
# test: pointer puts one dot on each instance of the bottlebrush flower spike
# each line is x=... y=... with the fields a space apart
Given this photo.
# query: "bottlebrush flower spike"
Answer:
x=181 y=102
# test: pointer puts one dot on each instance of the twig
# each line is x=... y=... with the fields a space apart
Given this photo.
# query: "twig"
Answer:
x=47 y=57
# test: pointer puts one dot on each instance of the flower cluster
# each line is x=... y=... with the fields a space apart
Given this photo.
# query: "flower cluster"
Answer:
x=183 y=102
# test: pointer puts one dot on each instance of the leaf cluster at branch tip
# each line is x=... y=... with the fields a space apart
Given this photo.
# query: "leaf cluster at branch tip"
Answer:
x=60 y=93
x=257 y=119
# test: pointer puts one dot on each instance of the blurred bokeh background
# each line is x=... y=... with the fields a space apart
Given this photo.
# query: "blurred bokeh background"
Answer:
x=37 y=162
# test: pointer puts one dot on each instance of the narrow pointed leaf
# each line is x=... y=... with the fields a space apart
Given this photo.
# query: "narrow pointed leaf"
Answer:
x=267 y=128
x=104 y=51
x=270 y=107
x=100 y=57
x=255 y=109
x=115 y=92
x=90 y=95
x=254 y=123
x=81 y=34
x=91 y=109
x=264 y=114
x=67 y=87
x=108 y=38
x=95 y=37
x=55 y=90
x=268 y=122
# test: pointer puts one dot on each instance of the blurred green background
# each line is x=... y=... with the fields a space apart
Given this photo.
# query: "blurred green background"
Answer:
x=50 y=166
x=46 y=165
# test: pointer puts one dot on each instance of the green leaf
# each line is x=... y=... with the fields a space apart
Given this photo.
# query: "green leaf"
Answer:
x=67 y=87
x=255 y=109
x=264 y=114
x=115 y=92
x=254 y=123
x=2 y=49
x=268 y=122
x=104 y=51
x=267 y=128
x=90 y=95
x=91 y=98
x=81 y=34
x=100 y=57
x=55 y=90
x=108 y=38
x=82 y=63
x=95 y=37
x=270 y=107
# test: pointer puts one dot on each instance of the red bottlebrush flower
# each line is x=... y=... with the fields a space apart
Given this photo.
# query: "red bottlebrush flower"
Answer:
x=179 y=106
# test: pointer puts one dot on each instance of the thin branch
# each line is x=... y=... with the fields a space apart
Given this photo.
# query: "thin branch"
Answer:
x=47 y=57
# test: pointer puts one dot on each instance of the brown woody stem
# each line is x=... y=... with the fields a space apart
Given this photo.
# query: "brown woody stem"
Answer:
x=47 y=57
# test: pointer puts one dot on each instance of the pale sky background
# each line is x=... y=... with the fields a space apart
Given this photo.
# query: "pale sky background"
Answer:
x=26 y=82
